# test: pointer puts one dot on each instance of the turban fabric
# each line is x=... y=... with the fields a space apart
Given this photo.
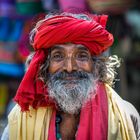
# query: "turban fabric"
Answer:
x=67 y=29
x=59 y=29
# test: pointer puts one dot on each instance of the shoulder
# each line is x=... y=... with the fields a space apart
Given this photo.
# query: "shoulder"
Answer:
x=127 y=108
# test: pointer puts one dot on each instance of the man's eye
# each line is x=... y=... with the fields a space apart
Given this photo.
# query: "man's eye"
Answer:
x=57 y=57
x=83 y=56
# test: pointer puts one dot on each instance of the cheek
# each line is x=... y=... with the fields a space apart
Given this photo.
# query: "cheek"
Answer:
x=54 y=67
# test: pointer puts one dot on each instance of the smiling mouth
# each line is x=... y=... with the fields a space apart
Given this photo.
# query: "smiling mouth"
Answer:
x=70 y=81
x=71 y=78
x=70 y=85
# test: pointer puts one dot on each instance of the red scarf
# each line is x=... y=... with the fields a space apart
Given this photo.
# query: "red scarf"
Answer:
x=31 y=91
x=93 y=123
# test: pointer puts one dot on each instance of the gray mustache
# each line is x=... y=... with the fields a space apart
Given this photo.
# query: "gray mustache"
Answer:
x=75 y=74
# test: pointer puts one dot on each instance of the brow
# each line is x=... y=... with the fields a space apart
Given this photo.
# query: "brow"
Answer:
x=79 y=47
x=56 y=48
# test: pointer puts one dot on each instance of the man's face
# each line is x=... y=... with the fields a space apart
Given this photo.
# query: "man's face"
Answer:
x=70 y=57
x=71 y=79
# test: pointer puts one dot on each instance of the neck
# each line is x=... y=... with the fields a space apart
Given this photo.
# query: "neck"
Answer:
x=68 y=126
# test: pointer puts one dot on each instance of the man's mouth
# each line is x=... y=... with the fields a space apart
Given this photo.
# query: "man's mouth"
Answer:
x=70 y=82
x=70 y=78
x=74 y=76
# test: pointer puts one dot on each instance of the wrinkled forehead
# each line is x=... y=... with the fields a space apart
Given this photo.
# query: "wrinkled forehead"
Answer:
x=69 y=47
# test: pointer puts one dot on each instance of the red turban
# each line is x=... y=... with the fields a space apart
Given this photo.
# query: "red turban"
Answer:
x=67 y=29
x=59 y=30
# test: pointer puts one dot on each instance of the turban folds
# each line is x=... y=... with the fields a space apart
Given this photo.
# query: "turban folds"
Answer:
x=67 y=29
x=59 y=29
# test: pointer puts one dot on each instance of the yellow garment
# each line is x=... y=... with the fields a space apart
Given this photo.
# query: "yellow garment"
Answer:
x=120 y=126
x=34 y=124
x=30 y=125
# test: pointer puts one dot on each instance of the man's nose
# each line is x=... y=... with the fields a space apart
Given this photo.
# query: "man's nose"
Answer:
x=70 y=65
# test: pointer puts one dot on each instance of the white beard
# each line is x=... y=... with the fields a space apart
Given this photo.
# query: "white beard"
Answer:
x=71 y=95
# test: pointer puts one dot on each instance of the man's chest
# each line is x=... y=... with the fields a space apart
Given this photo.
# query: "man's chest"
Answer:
x=66 y=126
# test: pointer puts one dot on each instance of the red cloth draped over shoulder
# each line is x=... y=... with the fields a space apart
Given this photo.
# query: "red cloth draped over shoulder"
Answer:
x=32 y=91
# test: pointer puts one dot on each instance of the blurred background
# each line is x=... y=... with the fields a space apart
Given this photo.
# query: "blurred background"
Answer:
x=17 y=18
